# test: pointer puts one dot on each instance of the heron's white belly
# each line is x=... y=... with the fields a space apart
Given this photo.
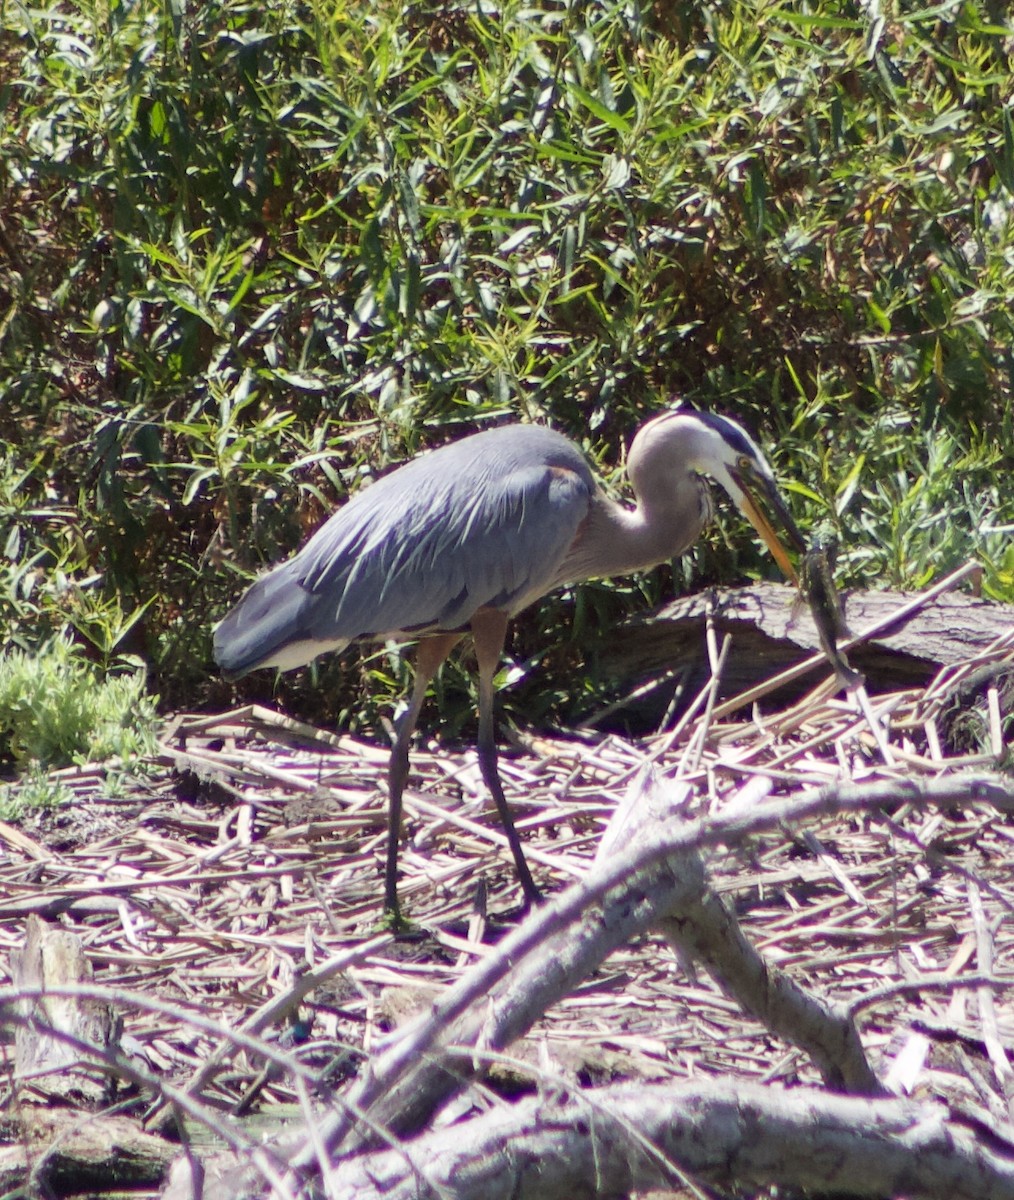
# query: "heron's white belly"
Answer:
x=298 y=654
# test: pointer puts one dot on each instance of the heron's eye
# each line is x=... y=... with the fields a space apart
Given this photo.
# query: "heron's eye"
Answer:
x=745 y=463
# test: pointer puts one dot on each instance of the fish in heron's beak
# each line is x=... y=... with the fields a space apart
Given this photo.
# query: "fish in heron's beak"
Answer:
x=753 y=485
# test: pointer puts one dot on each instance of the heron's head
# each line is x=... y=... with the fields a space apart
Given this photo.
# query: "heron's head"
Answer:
x=715 y=446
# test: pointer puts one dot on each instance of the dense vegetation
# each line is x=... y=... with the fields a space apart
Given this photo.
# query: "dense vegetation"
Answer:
x=250 y=253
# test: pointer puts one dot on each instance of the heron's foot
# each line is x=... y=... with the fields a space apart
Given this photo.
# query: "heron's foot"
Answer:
x=533 y=898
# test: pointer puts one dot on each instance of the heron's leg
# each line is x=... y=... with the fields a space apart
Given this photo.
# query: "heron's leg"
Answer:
x=488 y=628
x=430 y=654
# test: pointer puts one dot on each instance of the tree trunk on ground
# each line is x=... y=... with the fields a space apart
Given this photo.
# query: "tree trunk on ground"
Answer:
x=771 y=631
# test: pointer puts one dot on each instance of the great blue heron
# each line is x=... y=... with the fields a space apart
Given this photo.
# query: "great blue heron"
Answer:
x=467 y=536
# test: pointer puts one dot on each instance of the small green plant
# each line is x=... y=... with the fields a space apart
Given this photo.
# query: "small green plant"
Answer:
x=35 y=790
x=56 y=709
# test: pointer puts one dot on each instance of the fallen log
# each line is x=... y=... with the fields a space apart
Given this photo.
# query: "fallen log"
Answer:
x=772 y=631
x=609 y=1142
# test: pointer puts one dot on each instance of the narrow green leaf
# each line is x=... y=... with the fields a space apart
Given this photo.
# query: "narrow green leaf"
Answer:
x=598 y=109
x=818 y=20
x=847 y=487
x=801 y=489
x=878 y=314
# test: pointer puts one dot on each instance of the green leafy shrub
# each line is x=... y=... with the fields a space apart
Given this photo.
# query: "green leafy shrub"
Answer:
x=56 y=709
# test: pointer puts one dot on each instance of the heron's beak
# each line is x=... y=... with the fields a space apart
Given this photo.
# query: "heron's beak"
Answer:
x=748 y=506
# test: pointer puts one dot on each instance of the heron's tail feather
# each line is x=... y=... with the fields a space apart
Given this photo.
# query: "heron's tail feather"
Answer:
x=269 y=627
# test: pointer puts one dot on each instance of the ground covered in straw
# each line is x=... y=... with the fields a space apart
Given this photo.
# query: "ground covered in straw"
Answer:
x=252 y=852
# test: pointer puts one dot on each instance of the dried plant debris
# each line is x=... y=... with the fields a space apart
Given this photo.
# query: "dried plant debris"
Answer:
x=239 y=887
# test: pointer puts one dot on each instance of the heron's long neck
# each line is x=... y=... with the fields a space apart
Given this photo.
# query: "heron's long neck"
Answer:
x=614 y=540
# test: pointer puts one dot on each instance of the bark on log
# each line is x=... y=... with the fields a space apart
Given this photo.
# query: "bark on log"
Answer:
x=771 y=631
x=609 y=1142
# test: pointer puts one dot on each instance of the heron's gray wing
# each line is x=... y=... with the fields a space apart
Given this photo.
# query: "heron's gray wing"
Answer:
x=410 y=558
x=484 y=521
